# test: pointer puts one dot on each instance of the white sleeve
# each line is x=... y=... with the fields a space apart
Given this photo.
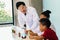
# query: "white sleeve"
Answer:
x=19 y=21
x=35 y=19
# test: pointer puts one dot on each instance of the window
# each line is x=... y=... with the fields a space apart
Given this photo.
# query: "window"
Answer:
x=6 y=12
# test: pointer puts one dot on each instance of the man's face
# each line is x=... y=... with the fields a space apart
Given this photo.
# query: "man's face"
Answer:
x=22 y=8
x=42 y=27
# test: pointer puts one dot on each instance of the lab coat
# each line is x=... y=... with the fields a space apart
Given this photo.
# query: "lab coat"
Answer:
x=31 y=19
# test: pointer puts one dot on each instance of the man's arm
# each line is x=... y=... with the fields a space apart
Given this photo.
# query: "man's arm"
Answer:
x=35 y=19
x=19 y=20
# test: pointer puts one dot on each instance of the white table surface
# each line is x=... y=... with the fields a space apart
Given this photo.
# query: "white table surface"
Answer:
x=6 y=33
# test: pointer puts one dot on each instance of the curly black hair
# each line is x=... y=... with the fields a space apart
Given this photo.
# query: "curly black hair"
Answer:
x=45 y=21
x=46 y=13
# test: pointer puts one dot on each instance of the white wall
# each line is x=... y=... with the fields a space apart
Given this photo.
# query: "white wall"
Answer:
x=54 y=6
x=38 y=5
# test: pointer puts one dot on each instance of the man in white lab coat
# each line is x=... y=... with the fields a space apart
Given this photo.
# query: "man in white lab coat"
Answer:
x=27 y=17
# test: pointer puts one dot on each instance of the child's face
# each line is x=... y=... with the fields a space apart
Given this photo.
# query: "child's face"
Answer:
x=42 y=27
x=42 y=16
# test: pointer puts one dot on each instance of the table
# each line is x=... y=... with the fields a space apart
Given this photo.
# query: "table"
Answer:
x=18 y=38
x=17 y=30
x=5 y=33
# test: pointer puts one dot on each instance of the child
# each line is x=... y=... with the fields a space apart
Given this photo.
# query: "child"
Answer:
x=46 y=14
x=48 y=33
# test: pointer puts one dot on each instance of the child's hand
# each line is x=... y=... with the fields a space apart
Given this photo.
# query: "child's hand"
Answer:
x=31 y=37
x=33 y=34
x=36 y=38
x=28 y=31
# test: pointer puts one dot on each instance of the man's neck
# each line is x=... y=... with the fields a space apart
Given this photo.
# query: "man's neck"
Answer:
x=22 y=12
